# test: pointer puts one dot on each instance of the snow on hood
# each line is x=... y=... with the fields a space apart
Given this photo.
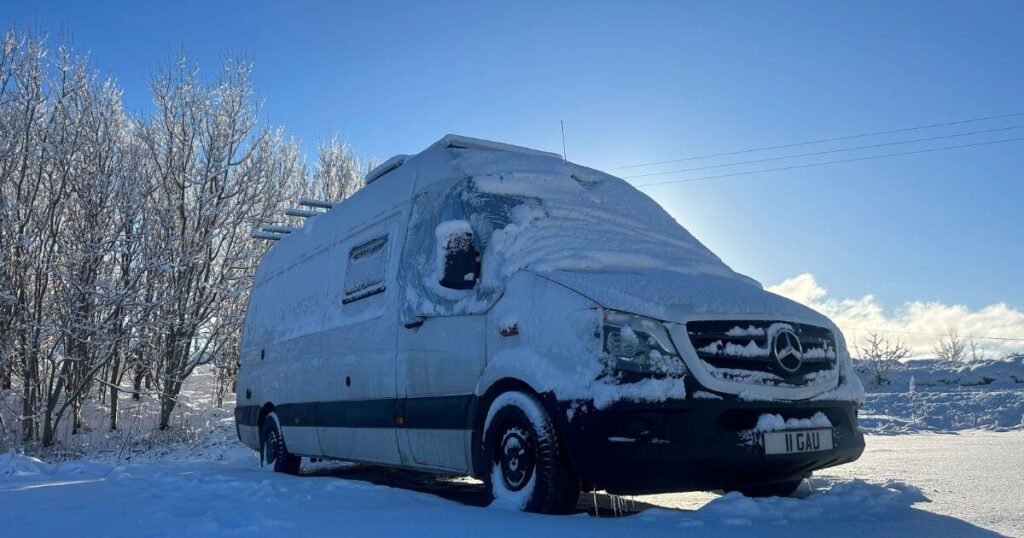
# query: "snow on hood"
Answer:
x=674 y=296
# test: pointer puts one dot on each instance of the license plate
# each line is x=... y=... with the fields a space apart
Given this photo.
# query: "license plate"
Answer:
x=797 y=441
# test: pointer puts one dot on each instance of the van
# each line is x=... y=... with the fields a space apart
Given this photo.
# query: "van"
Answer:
x=490 y=310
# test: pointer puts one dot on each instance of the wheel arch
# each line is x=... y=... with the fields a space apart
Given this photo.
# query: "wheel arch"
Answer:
x=482 y=405
x=265 y=411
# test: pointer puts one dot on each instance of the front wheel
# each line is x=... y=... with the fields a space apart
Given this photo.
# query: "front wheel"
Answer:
x=529 y=469
x=273 y=452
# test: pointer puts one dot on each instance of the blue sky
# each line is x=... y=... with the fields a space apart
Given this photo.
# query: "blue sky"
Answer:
x=638 y=82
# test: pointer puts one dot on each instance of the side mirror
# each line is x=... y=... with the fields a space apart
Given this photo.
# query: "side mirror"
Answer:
x=460 y=256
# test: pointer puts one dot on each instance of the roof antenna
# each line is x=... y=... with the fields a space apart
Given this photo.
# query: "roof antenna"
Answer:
x=563 y=140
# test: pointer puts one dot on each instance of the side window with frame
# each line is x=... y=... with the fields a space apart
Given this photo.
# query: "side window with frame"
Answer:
x=366 y=271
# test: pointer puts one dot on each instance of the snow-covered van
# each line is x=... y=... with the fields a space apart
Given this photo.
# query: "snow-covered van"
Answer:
x=495 y=311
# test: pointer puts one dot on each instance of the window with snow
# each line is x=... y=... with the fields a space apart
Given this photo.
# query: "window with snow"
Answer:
x=367 y=267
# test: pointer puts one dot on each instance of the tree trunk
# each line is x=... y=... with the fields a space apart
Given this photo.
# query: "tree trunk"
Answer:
x=166 y=408
x=76 y=416
x=28 y=420
x=114 y=393
x=48 y=427
x=168 y=400
x=137 y=384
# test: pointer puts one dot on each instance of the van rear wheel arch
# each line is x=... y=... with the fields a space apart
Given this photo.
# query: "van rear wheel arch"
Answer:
x=266 y=410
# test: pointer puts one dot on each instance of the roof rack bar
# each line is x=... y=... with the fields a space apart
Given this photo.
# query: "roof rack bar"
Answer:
x=304 y=213
x=385 y=167
x=265 y=235
x=309 y=202
x=278 y=229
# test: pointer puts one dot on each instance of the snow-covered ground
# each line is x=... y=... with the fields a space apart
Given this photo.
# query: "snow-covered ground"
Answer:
x=965 y=482
x=920 y=484
x=929 y=395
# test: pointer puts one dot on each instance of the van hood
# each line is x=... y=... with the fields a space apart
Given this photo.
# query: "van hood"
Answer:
x=677 y=297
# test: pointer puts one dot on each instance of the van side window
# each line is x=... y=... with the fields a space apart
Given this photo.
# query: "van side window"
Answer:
x=367 y=266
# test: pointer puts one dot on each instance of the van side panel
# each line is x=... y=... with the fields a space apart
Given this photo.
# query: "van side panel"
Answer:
x=439 y=364
x=356 y=381
x=281 y=351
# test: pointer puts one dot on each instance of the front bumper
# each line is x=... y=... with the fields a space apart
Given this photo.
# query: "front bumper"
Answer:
x=688 y=445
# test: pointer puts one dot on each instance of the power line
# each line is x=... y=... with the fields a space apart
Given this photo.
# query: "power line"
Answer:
x=811 y=165
x=1001 y=338
x=830 y=151
x=820 y=141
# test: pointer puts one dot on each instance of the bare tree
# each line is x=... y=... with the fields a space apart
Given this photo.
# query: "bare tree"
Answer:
x=881 y=355
x=977 y=350
x=124 y=242
x=213 y=167
x=338 y=172
x=951 y=348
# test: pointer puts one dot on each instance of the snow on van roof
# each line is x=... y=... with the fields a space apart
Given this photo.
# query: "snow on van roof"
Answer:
x=385 y=167
x=465 y=142
x=454 y=141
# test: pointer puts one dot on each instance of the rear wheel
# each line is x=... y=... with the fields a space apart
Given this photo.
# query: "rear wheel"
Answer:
x=782 y=489
x=273 y=452
x=529 y=469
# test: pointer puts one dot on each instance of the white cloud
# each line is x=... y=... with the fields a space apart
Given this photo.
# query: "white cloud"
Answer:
x=858 y=316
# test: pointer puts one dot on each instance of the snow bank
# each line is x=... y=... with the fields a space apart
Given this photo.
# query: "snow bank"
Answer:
x=943 y=411
x=1004 y=373
x=15 y=467
x=936 y=396
x=18 y=467
x=834 y=500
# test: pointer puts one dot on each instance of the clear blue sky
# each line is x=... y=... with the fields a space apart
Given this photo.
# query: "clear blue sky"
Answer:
x=648 y=81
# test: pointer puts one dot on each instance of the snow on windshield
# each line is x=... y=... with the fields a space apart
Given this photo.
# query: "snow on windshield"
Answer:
x=562 y=220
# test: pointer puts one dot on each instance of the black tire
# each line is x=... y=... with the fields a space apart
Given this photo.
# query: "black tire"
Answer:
x=273 y=452
x=781 y=489
x=527 y=466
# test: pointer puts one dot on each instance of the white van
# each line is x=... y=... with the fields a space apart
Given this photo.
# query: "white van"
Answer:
x=495 y=311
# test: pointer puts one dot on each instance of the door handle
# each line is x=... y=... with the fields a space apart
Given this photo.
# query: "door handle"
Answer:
x=415 y=324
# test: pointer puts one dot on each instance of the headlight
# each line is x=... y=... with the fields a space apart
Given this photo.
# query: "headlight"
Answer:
x=639 y=345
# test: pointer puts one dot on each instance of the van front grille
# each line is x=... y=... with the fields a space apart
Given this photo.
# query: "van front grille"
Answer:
x=745 y=351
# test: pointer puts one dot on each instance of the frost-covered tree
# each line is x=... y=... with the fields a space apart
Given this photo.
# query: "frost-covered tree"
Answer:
x=881 y=355
x=338 y=172
x=125 y=250
x=951 y=348
x=212 y=163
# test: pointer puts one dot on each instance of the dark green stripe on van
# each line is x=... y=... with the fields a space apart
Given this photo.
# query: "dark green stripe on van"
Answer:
x=431 y=412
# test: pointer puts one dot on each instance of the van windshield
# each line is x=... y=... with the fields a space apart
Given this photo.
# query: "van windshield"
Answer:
x=547 y=222
x=558 y=218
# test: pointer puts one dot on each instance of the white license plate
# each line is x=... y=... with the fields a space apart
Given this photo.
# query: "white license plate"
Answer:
x=797 y=441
